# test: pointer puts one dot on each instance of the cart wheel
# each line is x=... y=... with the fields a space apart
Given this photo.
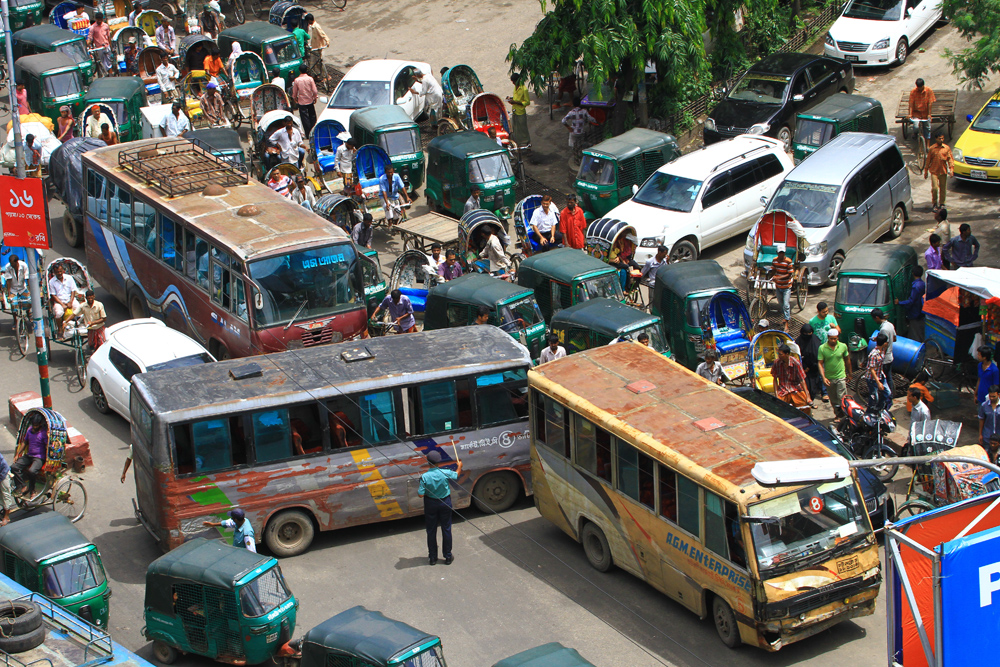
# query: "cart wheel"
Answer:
x=801 y=294
x=906 y=129
x=911 y=508
x=934 y=361
x=411 y=242
x=951 y=125
x=70 y=499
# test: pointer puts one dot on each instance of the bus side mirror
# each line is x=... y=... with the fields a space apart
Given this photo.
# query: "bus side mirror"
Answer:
x=635 y=189
x=258 y=301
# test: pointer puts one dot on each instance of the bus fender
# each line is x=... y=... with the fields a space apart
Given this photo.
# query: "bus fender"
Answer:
x=278 y=510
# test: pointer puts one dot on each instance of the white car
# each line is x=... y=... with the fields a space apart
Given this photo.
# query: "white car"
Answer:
x=705 y=197
x=372 y=83
x=137 y=346
x=880 y=32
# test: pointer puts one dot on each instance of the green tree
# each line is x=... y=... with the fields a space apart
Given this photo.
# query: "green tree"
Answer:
x=979 y=22
x=616 y=38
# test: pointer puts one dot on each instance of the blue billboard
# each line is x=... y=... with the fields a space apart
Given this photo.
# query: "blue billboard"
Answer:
x=970 y=597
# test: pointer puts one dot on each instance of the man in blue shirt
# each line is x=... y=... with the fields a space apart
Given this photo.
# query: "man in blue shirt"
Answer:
x=394 y=196
x=915 y=306
x=243 y=536
x=400 y=310
x=436 y=492
x=989 y=428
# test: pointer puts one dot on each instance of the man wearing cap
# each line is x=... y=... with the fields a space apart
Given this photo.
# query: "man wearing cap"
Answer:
x=436 y=492
x=242 y=530
x=211 y=105
x=834 y=367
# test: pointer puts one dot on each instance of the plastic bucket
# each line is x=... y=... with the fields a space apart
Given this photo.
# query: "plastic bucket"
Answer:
x=907 y=356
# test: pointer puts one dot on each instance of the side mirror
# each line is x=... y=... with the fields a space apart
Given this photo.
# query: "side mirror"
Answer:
x=258 y=300
x=969 y=118
x=798 y=98
x=763 y=201
x=909 y=12
x=324 y=100
x=635 y=189
x=850 y=210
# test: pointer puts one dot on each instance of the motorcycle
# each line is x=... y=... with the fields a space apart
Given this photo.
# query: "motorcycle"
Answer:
x=864 y=432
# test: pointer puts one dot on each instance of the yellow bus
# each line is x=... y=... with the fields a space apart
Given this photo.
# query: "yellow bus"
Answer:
x=648 y=465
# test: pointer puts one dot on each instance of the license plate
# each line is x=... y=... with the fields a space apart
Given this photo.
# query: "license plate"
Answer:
x=977 y=173
x=851 y=59
x=847 y=565
x=273 y=637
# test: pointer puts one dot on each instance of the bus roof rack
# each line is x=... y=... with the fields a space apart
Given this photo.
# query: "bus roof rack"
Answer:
x=178 y=167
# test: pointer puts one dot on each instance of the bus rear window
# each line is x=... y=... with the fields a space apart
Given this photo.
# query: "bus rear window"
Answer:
x=142 y=418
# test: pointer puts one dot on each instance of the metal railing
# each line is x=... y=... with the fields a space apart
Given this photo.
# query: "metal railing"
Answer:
x=96 y=643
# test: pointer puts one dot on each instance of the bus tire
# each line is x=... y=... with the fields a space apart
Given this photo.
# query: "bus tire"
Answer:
x=725 y=622
x=164 y=654
x=23 y=642
x=137 y=308
x=496 y=491
x=219 y=350
x=18 y=618
x=72 y=230
x=596 y=547
x=289 y=533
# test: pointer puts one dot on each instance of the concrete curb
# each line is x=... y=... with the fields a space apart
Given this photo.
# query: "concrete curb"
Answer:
x=18 y=404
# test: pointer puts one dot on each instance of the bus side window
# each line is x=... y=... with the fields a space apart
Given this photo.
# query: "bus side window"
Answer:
x=272 y=435
x=443 y=406
x=190 y=260
x=344 y=417
x=221 y=278
x=97 y=201
x=668 y=493
x=498 y=402
x=144 y=225
x=168 y=253
x=209 y=445
x=537 y=416
x=201 y=261
x=593 y=447
x=635 y=474
x=121 y=211
x=240 y=303
x=556 y=427
x=688 y=506
x=722 y=529
x=307 y=434
x=378 y=417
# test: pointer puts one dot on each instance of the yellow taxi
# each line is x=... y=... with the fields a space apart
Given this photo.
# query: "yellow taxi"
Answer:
x=977 y=151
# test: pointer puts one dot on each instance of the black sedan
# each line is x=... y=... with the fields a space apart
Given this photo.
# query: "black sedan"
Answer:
x=776 y=89
x=877 y=500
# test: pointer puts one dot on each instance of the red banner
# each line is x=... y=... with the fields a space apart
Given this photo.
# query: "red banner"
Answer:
x=25 y=213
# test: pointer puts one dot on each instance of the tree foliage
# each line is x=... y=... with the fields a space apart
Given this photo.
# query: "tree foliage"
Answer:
x=979 y=22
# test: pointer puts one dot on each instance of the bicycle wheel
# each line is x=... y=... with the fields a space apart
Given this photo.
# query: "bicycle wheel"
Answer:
x=81 y=362
x=911 y=508
x=801 y=294
x=70 y=499
x=934 y=362
x=23 y=334
x=339 y=4
x=239 y=12
x=254 y=7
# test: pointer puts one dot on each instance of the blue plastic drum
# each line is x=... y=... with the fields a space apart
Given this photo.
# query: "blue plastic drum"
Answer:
x=907 y=356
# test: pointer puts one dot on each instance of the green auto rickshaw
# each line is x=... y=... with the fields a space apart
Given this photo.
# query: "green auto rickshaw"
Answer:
x=873 y=275
x=47 y=38
x=513 y=308
x=836 y=114
x=23 y=10
x=359 y=637
x=51 y=80
x=552 y=654
x=460 y=161
x=597 y=322
x=208 y=598
x=46 y=553
x=391 y=128
x=276 y=46
x=682 y=293
x=610 y=169
x=376 y=286
x=563 y=277
x=126 y=96
x=222 y=142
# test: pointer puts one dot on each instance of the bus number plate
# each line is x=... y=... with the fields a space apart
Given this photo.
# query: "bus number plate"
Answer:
x=847 y=565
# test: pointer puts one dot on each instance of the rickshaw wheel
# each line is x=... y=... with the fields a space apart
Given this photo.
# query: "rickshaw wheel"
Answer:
x=239 y=12
x=23 y=334
x=70 y=499
x=934 y=361
x=759 y=308
x=801 y=294
x=81 y=364
x=515 y=263
x=911 y=508
x=411 y=243
x=446 y=126
x=163 y=653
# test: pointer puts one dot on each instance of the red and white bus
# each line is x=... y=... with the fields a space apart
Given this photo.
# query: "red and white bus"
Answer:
x=177 y=233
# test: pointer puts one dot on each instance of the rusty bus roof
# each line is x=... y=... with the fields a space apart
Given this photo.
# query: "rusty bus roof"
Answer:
x=280 y=227
x=665 y=416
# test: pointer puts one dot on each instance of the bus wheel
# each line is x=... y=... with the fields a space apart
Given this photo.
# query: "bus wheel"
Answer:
x=72 y=230
x=219 y=350
x=496 y=492
x=289 y=534
x=725 y=622
x=164 y=653
x=137 y=306
x=595 y=545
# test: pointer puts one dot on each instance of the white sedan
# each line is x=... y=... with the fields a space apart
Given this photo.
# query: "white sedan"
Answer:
x=373 y=83
x=137 y=346
x=880 y=32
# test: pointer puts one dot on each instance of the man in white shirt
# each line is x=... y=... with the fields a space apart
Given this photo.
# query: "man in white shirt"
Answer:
x=545 y=225
x=175 y=123
x=15 y=276
x=95 y=120
x=431 y=91
x=166 y=76
x=345 y=161
x=289 y=142
x=493 y=251
x=64 y=297
x=652 y=265
x=553 y=351
x=434 y=260
x=77 y=14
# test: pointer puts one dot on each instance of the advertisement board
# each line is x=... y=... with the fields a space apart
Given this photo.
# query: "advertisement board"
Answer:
x=24 y=213
x=970 y=597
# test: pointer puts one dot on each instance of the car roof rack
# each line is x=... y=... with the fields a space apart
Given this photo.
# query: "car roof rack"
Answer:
x=741 y=156
x=178 y=167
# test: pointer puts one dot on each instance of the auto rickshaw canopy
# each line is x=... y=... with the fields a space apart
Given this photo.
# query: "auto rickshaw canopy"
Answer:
x=464 y=144
x=631 y=143
x=562 y=264
x=115 y=89
x=41 y=537
x=841 y=107
x=364 y=634
x=252 y=32
x=216 y=139
x=474 y=289
x=46 y=36
x=603 y=316
x=878 y=258
x=553 y=654
x=687 y=278
x=43 y=63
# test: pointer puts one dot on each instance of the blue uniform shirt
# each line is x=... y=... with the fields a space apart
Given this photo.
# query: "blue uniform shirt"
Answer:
x=434 y=483
x=241 y=534
x=391 y=192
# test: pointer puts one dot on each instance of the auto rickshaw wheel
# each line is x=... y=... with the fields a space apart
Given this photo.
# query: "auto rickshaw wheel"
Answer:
x=289 y=533
x=164 y=653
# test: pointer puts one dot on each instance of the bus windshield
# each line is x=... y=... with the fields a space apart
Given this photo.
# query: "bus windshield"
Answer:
x=73 y=576
x=305 y=285
x=806 y=527
x=858 y=291
x=264 y=594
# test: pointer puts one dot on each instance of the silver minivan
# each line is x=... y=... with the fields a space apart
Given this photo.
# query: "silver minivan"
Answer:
x=852 y=190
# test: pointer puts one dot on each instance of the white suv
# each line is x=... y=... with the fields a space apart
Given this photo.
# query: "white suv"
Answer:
x=715 y=193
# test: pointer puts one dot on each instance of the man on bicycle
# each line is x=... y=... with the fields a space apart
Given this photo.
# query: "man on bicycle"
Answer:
x=99 y=37
x=15 y=276
x=921 y=99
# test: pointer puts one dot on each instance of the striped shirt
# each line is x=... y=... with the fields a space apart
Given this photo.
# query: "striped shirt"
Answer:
x=782 y=273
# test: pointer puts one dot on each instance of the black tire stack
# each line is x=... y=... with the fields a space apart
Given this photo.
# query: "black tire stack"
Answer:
x=21 y=627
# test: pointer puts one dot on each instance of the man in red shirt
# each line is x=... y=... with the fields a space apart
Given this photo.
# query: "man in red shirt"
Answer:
x=572 y=224
x=921 y=100
x=783 y=274
x=305 y=95
x=99 y=37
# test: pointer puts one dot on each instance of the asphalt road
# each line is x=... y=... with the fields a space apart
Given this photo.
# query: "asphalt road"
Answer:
x=517 y=581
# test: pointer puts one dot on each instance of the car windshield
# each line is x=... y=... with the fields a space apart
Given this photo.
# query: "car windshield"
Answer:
x=674 y=193
x=760 y=88
x=359 y=94
x=988 y=119
x=400 y=142
x=875 y=10
x=182 y=362
x=806 y=527
x=281 y=52
x=519 y=314
x=78 y=574
x=432 y=657
x=489 y=168
x=655 y=337
x=63 y=84
x=813 y=133
x=264 y=594
x=76 y=51
x=597 y=170
x=607 y=285
x=858 y=291
x=812 y=205
x=305 y=285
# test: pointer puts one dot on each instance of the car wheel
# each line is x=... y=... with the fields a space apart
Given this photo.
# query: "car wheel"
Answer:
x=898 y=222
x=835 y=264
x=683 y=251
x=100 y=400
x=785 y=137
x=902 y=50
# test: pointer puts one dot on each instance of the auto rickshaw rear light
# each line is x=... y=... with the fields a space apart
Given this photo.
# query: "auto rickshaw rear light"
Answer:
x=604 y=195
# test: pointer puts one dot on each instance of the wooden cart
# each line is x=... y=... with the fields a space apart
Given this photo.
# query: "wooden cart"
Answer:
x=421 y=232
x=942 y=111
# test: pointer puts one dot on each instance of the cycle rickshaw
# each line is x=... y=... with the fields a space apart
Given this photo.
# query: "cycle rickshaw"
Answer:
x=763 y=352
x=486 y=111
x=775 y=230
x=18 y=306
x=341 y=210
x=608 y=238
x=460 y=85
x=120 y=41
x=472 y=238
x=148 y=60
x=325 y=140
x=523 y=211
x=148 y=19
x=286 y=14
x=74 y=332
x=66 y=494
x=192 y=51
x=246 y=75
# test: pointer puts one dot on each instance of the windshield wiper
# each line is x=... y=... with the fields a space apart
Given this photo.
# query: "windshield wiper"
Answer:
x=297 y=312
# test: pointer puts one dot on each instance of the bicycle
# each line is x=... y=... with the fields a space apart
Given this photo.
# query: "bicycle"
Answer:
x=917 y=164
x=317 y=70
x=101 y=68
x=21 y=311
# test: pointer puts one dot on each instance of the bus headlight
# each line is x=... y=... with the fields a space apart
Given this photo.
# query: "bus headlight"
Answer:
x=816 y=250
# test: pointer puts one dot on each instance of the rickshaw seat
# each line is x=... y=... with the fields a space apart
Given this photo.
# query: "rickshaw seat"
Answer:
x=766 y=254
x=327 y=162
x=417 y=297
x=731 y=342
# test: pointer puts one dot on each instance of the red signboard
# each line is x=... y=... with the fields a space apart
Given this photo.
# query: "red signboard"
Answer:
x=25 y=213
